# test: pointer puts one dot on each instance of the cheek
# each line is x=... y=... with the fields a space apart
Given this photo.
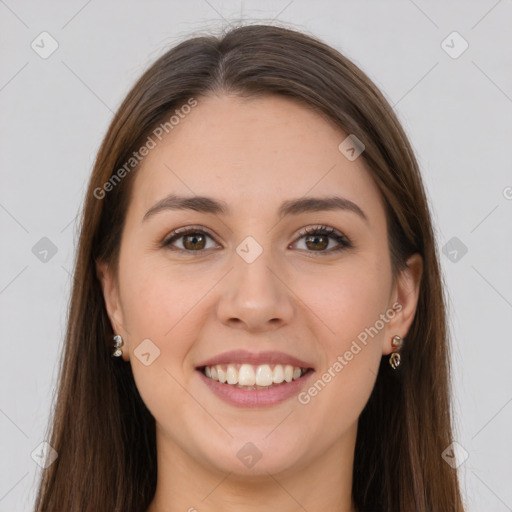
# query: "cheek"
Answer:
x=155 y=306
x=157 y=299
x=349 y=301
x=350 y=356
x=345 y=301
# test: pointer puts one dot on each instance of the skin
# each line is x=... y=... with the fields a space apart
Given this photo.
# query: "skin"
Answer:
x=253 y=154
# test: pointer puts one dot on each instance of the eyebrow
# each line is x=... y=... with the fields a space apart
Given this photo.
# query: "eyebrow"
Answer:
x=205 y=204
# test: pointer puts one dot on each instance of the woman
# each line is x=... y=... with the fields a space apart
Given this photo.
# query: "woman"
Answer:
x=257 y=319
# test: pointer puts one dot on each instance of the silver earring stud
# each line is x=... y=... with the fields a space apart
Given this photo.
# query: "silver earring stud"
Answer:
x=118 y=343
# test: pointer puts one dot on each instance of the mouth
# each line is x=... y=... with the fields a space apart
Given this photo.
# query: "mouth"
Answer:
x=243 y=386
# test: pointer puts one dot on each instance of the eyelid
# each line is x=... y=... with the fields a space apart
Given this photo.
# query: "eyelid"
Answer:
x=186 y=229
x=317 y=228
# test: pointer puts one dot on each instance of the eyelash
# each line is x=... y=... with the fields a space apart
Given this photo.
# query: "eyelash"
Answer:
x=317 y=230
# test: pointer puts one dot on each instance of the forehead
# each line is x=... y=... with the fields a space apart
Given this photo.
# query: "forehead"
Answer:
x=253 y=153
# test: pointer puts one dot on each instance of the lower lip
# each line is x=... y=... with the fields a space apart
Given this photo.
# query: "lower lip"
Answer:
x=253 y=398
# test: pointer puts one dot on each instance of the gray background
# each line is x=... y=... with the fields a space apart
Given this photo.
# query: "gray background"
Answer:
x=456 y=111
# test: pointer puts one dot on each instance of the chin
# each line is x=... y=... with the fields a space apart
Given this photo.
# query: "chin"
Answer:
x=258 y=455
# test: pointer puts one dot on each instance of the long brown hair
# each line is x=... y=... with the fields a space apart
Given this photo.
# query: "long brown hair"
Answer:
x=100 y=427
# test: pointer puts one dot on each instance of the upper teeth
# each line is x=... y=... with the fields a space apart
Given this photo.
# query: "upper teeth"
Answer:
x=249 y=375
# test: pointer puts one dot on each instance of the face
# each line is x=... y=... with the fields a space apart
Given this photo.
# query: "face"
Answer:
x=251 y=279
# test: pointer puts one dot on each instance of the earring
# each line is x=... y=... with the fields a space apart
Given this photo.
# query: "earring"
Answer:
x=118 y=343
x=394 y=359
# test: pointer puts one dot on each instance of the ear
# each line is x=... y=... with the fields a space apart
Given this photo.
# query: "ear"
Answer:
x=404 y=296
x=112 y=302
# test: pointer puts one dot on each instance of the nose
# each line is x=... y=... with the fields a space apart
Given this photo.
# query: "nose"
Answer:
x=255 y=295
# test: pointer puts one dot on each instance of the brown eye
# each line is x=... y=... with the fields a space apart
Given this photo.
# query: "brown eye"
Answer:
x=192 y=240
x=317 y=239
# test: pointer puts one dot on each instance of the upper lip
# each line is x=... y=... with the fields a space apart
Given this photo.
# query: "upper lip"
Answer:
x=244 y=356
